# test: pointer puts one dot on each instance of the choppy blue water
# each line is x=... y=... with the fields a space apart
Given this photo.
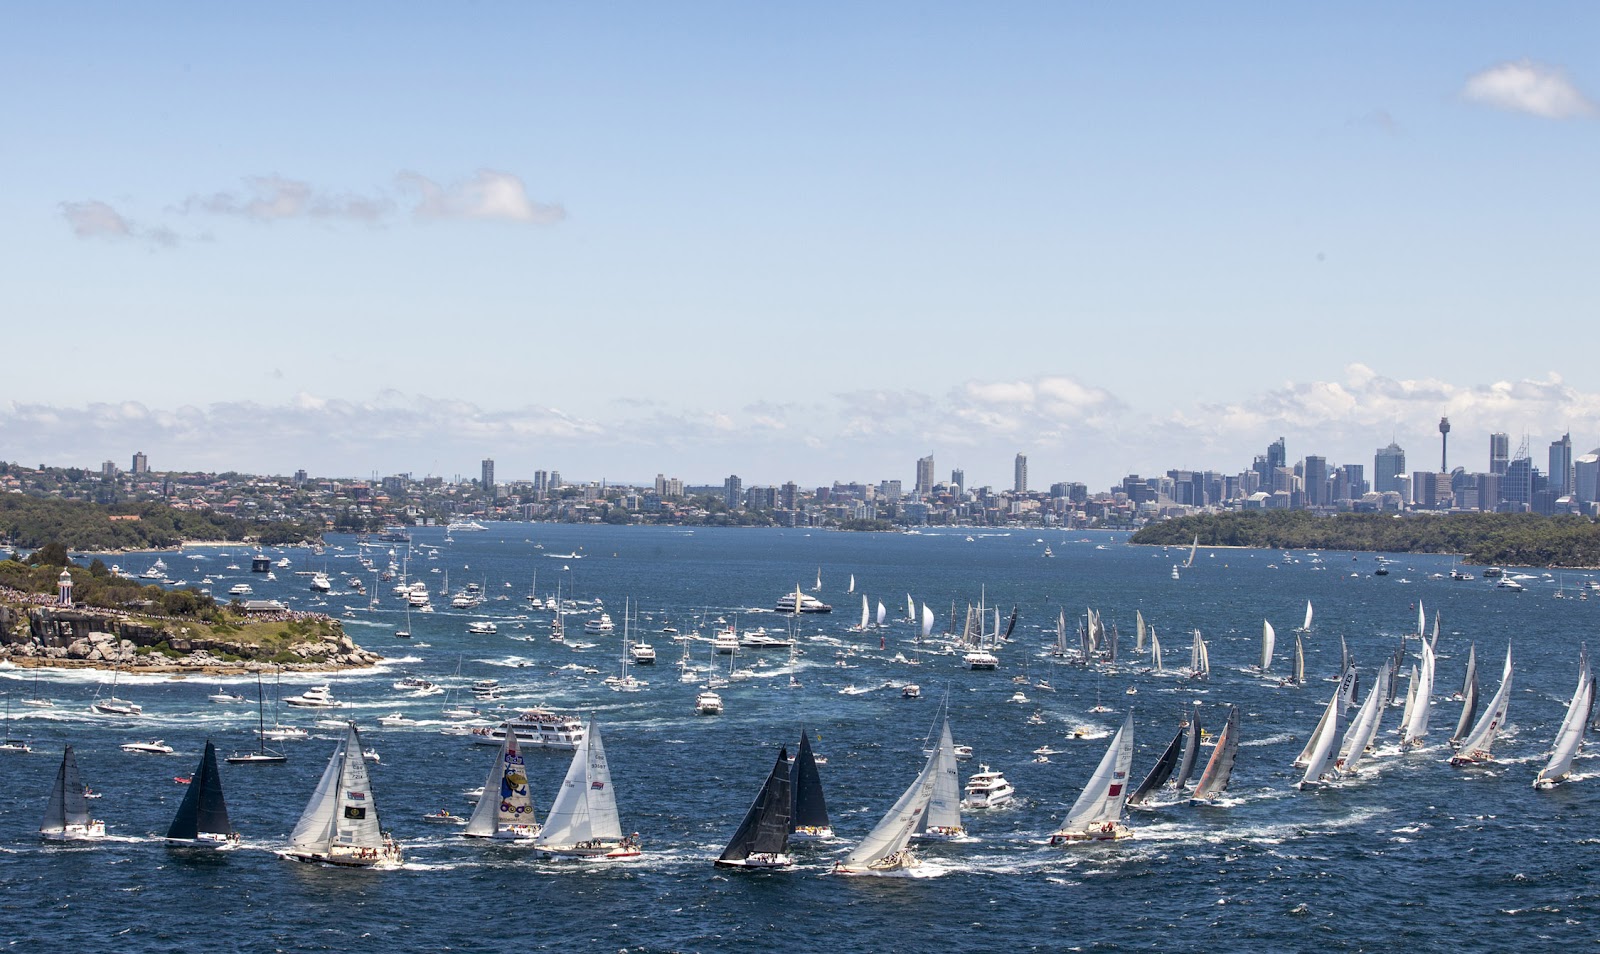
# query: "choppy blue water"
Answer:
x=1418 y=854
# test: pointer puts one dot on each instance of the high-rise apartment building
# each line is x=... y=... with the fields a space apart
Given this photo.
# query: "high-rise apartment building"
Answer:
x=486 y=479
x=141 y=463
x=1388 y=463
x=924 y=475
x=1019 y=483
x=1499 y=453
x=732 y=491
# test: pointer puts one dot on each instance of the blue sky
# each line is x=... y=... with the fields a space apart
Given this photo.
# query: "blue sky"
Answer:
x=797 y=242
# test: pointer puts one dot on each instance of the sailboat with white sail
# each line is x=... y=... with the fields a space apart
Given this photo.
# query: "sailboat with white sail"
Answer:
x=66 y=814
x=1330 y=732
x=1469 y=698
x=340 y=824
x=1268 y=641
x=583 y=821
x=1219 y=769
x=1199 y=658
x=1097 y=814
x=942 y=820
x=1416 y=725
x=202 y=819
x=1364 y=727
x=111 y=705
x=887 y=847
x=505 y=811
x=1569 y=738
x=762 y=838
x=1477 y=747
x=1306 y=626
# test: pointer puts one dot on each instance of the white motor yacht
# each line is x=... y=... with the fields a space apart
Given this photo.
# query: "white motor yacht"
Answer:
x=158 y=747
x=987 y=789
x=708 y=703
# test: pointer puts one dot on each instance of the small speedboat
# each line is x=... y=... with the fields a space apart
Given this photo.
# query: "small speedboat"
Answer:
x=443 y=817
x=227 y=698
x=396 y=718
x=158 y=747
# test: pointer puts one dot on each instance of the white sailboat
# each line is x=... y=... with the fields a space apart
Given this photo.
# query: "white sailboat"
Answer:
x=1306 y=626
x=582 y=821
x=1569 y=738
x=883 y=614
x=66 y=814
x=1364 y=728
x=866 y=616
x=942 y=820
x=1097 y=814
x=1192 y=548
x=1268 y=639
x=1416 y=725
x=340 y=824
x=911 y=610
x=1469 y=698
x=887 y=847
x=1329 y=732
x=505 y=811
x=1199 y=658
x=1477 y=746
x=1139 y=631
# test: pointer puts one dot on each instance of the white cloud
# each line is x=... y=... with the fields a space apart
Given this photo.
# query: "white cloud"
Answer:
x=1529 y=87
x=488 y=195
x=274 y=198
x=93 y=219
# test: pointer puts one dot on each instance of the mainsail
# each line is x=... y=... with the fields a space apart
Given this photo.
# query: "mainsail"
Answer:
x=1268 y=637
x=1469 y=697
x=1191 y=750
x=1199 y=658
x=203 y=809
x=927 y=621
x=764 y=833
x=1138 y=631
x=1214 y=780
x=505 y=809
x=1307 y=626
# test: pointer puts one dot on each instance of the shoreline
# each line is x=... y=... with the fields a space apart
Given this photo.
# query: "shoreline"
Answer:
x=179 y=669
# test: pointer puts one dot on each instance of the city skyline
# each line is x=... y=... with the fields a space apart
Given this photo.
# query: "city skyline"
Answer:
x=794 y=246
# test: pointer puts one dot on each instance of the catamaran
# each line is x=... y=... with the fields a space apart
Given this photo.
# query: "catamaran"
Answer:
x=505 y=811
x=762 y=838
x=1477 y=745
x=1570 y=736
x=340 y=823
x=202 y=819
x=66 y=815
x=1097 y=814
x=583 y=821
x=1214 y=780
x=808 y=819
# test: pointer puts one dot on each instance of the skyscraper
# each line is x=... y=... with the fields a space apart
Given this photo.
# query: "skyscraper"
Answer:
x=958 y=478
x=1388 y=463
x=1517 y=487
x=1561 y=476
x=732 y=490
x=1499 y=453
x=141 y=463
x=486 y=480
x=924 y=475
x=1316 y=478
x=1020 y=482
